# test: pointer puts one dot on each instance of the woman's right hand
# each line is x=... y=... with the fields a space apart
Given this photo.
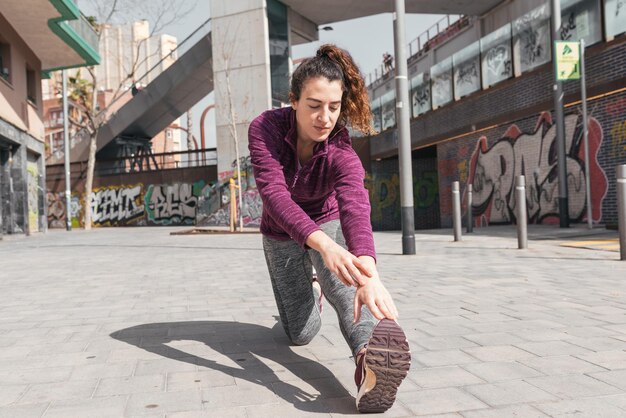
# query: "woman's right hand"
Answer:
x=347 y=267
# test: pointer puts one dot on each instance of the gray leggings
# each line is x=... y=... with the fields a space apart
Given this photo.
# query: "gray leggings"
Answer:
x=291 y=274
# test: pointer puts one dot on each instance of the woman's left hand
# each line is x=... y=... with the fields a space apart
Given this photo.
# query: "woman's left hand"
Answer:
x=375 y=296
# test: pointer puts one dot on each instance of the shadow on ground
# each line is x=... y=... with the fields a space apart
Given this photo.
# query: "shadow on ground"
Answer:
x=246 y=345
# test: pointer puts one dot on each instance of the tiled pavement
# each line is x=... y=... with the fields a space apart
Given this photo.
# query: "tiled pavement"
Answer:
x=137 y=322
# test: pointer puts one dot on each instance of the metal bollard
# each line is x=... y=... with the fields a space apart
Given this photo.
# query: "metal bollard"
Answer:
x=470 y=218
x=456 y=210
x=520 y=198
x=620 y=171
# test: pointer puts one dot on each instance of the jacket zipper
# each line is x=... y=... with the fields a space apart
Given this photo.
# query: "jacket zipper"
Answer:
x=295 y=179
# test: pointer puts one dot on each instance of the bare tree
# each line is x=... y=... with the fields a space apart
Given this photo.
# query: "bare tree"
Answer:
x=227 y=53
x=233 y=133
x=84 y=91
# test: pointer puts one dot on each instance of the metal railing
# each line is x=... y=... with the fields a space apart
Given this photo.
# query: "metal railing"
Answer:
x=182 y=47
x=157 y=162
x=186 y=44
x=139 y=164
x=435 y=34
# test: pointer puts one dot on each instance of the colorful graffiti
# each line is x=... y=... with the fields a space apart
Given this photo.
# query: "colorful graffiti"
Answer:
x=33 y=196
x=218 y=196
x=117 y=205
x=493 y=171
x=196 y=203
x=383 y=186
x=383 y=192
x=56 y=210
x=617 y=144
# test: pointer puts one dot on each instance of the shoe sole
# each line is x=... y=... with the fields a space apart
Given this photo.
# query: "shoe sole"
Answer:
x=387 y=362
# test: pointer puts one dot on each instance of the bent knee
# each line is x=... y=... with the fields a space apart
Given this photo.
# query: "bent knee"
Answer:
x=301 y=339
x=304 y=336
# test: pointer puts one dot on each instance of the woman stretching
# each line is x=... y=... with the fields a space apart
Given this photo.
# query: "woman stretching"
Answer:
x=316 y=213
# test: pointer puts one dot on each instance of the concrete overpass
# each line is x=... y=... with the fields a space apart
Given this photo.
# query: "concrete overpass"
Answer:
x=192 y=76
x=254 y=30
x=152 y=109
x=322 y=12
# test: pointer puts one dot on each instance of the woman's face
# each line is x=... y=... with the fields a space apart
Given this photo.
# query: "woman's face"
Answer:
x=318 y=108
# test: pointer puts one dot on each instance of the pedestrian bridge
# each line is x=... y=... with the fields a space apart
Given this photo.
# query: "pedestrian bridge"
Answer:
x=157 y=105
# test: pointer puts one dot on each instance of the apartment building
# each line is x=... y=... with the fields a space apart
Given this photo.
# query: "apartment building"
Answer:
x=36 y=37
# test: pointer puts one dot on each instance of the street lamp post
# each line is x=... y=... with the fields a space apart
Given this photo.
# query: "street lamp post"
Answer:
x=558 y=115
x=66 y=156
x=404 y=132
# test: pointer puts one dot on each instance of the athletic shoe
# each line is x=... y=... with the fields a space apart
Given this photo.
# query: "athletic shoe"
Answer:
x=382 y=368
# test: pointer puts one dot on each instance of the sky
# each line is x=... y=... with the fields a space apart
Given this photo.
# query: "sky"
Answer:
x=366 y=39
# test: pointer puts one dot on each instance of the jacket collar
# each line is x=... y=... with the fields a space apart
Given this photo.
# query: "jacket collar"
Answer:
x=339 y=133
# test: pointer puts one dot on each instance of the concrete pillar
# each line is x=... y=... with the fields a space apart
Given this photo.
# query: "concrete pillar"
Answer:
x=241 y=55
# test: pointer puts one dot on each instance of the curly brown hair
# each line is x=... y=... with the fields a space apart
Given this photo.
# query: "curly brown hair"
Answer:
x=335 y=63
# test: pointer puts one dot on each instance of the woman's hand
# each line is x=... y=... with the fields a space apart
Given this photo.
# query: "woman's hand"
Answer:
x=349 y=269
x=373 y=294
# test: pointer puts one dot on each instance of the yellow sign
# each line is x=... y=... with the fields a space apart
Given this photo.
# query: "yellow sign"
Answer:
x=567 y=60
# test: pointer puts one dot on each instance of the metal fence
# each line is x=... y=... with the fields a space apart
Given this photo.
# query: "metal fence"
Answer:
x=439 y=31
x=140 y=163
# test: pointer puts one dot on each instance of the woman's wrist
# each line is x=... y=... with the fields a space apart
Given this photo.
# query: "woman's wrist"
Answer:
x=319 y=241
x=368 y=261
x=370 y=264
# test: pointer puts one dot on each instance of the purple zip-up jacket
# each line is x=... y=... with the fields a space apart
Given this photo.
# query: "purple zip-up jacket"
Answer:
x=298 y=199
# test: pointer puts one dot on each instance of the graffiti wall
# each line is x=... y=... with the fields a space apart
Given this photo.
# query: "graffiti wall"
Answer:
x=215 y=206
x=56 y=210
x=383 y=185
x=33 y=195
x=182 y=203
x=117 y=205
x=533 y=154
x=490 y=161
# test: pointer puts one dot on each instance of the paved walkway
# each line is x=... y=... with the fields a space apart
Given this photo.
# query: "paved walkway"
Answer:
x=138 y=322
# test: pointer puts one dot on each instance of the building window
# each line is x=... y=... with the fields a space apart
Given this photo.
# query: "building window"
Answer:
x=31 y=85
x=5 y=60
